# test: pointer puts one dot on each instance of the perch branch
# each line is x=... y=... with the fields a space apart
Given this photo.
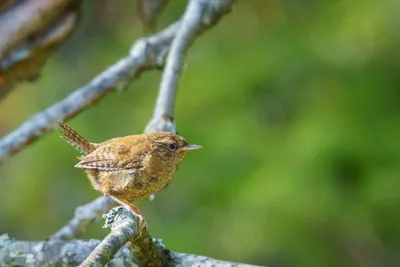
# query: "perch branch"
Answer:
x=147 y=53
x=125 y=227
x=140 y=250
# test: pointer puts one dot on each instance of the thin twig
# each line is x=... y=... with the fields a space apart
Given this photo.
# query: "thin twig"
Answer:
x=164 y=109
x=84 y=216
x=163 y=116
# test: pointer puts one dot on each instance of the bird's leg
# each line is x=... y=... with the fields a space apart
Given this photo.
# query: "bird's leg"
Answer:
x=127 y=205
x=142 y=223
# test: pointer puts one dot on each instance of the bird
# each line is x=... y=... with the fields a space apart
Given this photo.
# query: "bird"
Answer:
x=131 y=167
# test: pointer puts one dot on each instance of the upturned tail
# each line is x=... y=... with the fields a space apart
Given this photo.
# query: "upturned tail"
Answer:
x=75 y=139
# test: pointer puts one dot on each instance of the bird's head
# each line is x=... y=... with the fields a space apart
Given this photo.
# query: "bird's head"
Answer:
x=171 y=147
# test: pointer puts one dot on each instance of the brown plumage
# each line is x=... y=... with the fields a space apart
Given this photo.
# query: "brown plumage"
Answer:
x=131 y=167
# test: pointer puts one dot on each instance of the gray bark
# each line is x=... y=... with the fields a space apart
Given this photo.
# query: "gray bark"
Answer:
x=128 y=244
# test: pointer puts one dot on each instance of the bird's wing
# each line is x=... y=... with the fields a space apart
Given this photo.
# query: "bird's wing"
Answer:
x=111 y=156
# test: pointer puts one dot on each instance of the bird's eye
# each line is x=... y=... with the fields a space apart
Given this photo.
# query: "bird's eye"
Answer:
x=171 y=146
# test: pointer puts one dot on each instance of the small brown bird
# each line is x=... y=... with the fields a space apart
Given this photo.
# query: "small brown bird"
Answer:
x=131 y=167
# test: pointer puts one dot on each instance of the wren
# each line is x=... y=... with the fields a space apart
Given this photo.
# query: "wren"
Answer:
x=131 y=167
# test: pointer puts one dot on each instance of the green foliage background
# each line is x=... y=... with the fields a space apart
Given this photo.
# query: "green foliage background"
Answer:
x=297 y=105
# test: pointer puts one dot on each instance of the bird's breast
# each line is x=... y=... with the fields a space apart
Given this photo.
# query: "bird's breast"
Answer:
x=151 y=178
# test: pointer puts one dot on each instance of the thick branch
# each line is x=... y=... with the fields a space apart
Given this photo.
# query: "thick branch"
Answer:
x=141 y=249
x=65 y=24
x=126 y=227
x=30 y=31
x=27 y=19
x=147 y=53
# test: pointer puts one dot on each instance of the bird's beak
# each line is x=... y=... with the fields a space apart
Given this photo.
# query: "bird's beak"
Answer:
x=191 y=147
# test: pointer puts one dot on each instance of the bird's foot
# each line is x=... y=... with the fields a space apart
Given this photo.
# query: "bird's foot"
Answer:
x=129 y=206
x=141 y=222
x=137 y=215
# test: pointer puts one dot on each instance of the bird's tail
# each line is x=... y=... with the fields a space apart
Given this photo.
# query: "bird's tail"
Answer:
x=75 y=139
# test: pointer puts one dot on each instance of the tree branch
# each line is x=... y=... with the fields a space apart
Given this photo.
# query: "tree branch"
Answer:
x=125 y=227
x=164 y=110
x=141 y=249
x=25 y=22
x=147 y=53
x=30 y=31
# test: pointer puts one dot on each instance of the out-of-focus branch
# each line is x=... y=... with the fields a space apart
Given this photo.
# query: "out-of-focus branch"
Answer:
x=164 y=110
x=27 y=19
x=147 y=53
x=84 y=216
x=149 y=10
x=30 y=31
x=47 y=40
x=6 y=4
x=140 y=250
